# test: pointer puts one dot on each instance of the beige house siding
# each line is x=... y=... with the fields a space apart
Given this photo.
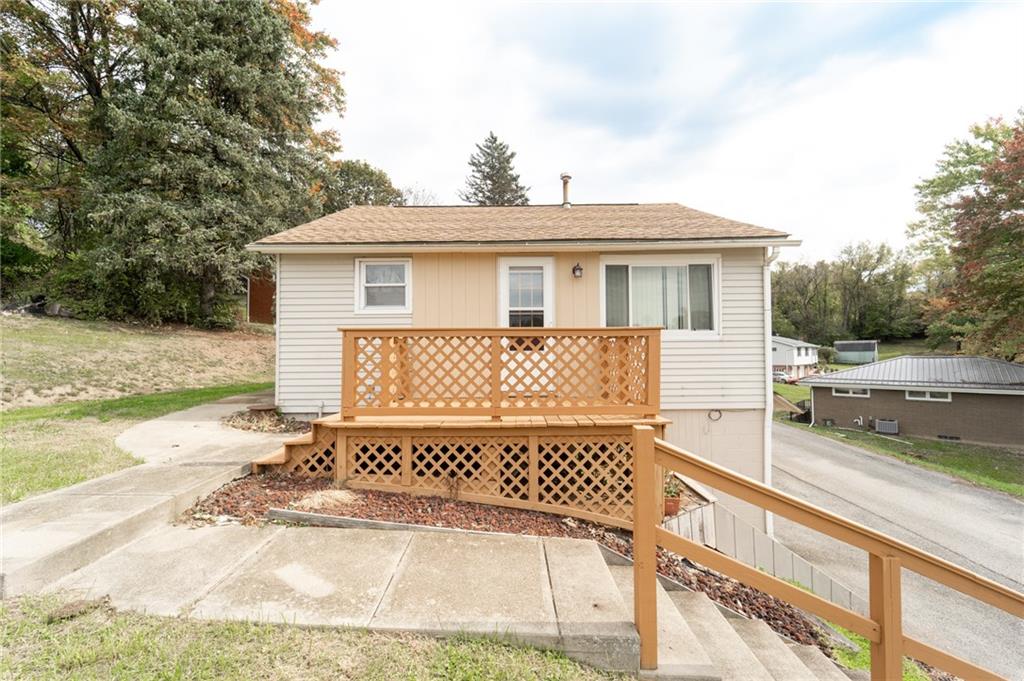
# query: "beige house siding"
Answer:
x=455 y=289
x=734 y=440
x=972 y=417
x=316 y=295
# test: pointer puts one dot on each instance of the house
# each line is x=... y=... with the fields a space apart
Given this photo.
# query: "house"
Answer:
x=795 y=357
x=856 y=351
x=975 y=399
x=701 y=278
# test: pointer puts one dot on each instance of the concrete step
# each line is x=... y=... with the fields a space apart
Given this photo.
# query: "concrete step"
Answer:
x=769 y=648
x=821 y=666
x=680 y=654
x=728 y=652
x=595 y=624
x=50 y=536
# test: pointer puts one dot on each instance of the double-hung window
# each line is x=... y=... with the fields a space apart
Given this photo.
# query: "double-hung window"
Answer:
x=383 y=286
x=676 y=295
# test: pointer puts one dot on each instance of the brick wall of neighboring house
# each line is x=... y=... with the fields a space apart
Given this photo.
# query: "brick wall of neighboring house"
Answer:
x=994 y=419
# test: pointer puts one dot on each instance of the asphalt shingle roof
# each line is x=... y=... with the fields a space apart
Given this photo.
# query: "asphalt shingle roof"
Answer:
x=975 y=373
x=497 y=224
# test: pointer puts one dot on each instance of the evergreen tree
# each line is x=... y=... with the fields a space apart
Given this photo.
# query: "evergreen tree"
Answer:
x=492 y=180
x=212 y=148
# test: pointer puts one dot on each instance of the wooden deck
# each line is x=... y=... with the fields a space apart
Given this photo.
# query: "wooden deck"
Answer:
x=486 y=422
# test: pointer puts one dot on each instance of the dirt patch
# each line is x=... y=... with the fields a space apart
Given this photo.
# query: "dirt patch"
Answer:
x=250 y=498
x=265 y=422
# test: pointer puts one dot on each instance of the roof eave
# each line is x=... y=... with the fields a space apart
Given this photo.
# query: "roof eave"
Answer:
x=528 y=246
x=815 y=382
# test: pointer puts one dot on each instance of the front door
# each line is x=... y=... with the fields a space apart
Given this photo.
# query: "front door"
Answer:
x=526 y=296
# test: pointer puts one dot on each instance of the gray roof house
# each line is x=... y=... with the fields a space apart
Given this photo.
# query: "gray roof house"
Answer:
x=976 y=399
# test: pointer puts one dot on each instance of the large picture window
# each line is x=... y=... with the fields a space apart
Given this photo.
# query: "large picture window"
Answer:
x=676 y=297
x=383 y=286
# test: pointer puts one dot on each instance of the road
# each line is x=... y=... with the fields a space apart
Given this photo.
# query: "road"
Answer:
x=979 y=529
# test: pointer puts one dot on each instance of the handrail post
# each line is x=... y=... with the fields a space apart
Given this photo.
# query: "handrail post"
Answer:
x=348 y=375
x=495 y=377
x=887 y=610
x=645 y=550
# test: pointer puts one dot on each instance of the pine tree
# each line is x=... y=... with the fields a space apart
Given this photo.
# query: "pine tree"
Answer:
x=214 y=147
x=492 y=180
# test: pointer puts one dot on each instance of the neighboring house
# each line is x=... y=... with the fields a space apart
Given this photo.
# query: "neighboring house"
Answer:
x=704 y=279
x=976 y=399
x=795 y=357
x=856 y=351
x=260 y=292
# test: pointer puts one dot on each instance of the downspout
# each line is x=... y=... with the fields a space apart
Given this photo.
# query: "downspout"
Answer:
x=769 y=394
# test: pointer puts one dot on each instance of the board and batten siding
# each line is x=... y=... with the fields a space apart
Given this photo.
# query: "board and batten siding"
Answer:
x=316 y=295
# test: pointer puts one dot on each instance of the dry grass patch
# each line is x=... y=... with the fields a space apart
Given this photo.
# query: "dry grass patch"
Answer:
x=48 y=360
x=100 y=643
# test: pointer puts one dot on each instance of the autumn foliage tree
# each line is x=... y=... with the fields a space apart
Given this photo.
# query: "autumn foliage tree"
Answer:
x=986 y=302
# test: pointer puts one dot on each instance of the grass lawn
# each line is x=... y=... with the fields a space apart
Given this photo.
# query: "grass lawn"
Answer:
x=103 y=644
x=44 y=448
x=793 y=393
x=49 y=360
x=992 y=467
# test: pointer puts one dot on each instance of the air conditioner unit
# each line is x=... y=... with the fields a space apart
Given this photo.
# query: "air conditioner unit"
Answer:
x=887 y=426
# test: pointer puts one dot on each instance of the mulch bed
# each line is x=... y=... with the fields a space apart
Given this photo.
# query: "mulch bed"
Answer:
x=265 y=422
x=249 y=499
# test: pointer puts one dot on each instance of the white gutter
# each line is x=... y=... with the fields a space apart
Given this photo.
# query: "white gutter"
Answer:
x=525 y=246
x=769 y=397
x=934 y=388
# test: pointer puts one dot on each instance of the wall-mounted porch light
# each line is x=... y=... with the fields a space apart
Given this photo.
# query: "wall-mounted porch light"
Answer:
x=577 y=271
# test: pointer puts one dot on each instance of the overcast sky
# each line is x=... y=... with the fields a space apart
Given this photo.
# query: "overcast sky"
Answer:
x=814 y=119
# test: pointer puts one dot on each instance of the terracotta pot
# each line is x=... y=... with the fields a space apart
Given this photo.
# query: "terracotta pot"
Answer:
x=671 y=506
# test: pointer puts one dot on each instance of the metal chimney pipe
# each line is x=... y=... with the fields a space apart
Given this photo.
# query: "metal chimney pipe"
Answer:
x=565 y=190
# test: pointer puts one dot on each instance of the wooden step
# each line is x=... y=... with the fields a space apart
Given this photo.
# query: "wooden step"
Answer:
x=304 y=439
x=275 y=458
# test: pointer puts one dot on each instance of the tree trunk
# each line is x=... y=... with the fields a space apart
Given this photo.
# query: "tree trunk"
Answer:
x=207 y=297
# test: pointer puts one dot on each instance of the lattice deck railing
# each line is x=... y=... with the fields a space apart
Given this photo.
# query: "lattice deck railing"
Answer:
x=500 y=372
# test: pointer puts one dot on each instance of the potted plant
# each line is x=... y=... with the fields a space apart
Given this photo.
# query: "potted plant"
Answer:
x=673 y=494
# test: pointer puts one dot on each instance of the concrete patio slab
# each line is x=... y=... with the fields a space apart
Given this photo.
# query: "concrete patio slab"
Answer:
x=165 y=572
x=310 y=576
x=473 y=583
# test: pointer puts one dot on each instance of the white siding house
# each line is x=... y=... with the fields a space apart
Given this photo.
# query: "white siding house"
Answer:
x=703 y=279
x=795 y=357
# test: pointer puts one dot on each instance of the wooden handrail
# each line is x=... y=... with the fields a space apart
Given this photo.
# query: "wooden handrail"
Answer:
x=883 y=628
x=500 y=371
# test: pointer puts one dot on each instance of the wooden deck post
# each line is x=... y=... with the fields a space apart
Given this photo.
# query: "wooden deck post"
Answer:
x=348 y=374
x=495 y=377
x=887 y=610
x=645 y=550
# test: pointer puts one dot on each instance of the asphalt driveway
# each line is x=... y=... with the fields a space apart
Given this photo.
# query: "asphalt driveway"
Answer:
x=980 y=529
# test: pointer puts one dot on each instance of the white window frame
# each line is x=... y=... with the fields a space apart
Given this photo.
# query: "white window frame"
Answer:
x=671 y=260
x=359 y=273
x=928 y=396
x=850 y=394
x=547 y=265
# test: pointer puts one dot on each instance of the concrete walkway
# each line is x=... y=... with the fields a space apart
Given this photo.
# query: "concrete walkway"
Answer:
x=188 y=454
x=548 y=592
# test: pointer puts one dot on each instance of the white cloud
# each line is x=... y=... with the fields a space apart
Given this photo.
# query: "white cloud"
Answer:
x=831 y=156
